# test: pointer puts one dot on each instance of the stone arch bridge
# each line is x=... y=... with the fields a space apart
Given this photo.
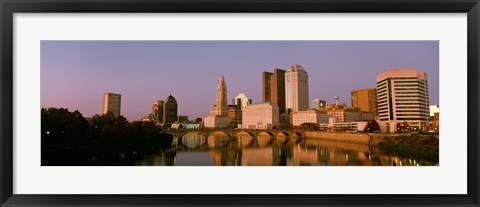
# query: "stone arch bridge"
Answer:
x=233 y=133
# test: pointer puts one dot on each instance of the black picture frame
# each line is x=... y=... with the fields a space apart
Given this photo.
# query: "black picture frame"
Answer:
x=10 y=7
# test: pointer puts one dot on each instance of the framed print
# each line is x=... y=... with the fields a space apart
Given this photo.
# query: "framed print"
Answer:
x=199 y=103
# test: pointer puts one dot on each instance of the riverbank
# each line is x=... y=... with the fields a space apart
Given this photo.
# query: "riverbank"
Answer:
x=357 y=138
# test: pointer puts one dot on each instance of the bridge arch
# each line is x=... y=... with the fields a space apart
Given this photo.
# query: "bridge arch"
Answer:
x=284 y=133
x=247 y=132
x=268 y=133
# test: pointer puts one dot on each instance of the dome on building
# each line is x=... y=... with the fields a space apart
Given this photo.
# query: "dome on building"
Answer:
x=295 y=68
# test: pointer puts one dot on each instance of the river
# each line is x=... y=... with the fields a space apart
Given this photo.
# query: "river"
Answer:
x=245 y=150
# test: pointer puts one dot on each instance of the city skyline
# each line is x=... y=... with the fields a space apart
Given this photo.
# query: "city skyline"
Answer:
x=75 y=74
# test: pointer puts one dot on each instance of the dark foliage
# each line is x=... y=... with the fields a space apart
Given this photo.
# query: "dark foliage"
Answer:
x=68 y=138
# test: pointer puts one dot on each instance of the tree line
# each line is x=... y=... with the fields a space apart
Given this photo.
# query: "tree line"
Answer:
x=67 y=138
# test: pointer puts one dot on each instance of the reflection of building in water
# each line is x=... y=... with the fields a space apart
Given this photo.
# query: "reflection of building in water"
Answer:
x=319 y=152
x=261 y=157
x=224 y=157
x=260 y=116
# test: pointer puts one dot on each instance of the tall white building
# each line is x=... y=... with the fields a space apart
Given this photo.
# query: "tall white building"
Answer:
x=296 y=88
x=241 y=100
x=112 y=103
x=309 y=116
x=218 y=117
x=402 y=96
x=260 y=116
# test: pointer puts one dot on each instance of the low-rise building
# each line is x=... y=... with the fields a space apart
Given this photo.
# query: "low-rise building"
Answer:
x=216 y=122
x=260 y=116
x=309 y=116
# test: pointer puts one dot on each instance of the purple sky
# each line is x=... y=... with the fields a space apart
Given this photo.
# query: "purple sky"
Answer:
x=75 y=74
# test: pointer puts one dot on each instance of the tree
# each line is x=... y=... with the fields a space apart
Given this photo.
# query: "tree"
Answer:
x=372 y=126
x=60 y=126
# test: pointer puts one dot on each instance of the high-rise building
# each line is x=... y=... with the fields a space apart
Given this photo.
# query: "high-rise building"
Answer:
x=222 y=107
x=266 y=86
x=318 y=104
x=296 y=88
x=365 y=99
x=157 y=110
x=273 y=89
x=241 y=101
x=219 y=112
x=112 y=103
x=170 y=110
x=402 y=96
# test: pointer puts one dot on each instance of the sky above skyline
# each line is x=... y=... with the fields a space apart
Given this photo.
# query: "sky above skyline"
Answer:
x=76 y=74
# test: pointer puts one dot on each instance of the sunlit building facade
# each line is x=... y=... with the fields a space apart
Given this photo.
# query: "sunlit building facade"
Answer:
x=112 y=103
x=260 y=116
x=241 y=100
x=309 y=116
x=296 y=88
x=273 y=88
x=318 y=104
x=218 y=117
x=365 y=99
x=157 y=110
x=402 y=96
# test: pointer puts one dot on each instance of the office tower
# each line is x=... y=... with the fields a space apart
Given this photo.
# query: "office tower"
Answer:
x=157 y=110
x=219 y=112
x=402 y=96
x=318 y=104
x=221 y=109
x=273 y=89
x=170 y=110
x=296 y=88
x=365 y=99
x=112 y=103
x=241 y=101
x=266 y=86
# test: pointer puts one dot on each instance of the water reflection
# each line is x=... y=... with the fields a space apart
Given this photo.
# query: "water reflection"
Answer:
x=220 y=149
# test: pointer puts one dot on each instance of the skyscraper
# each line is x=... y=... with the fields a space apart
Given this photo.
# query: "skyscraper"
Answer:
x=170 y=110
x=296 y=88
x=222 y=107
x=365 y=99
x=112 y=103
x=273 y=88
x=219 y=112
x=157 y=110
x=402 y=96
